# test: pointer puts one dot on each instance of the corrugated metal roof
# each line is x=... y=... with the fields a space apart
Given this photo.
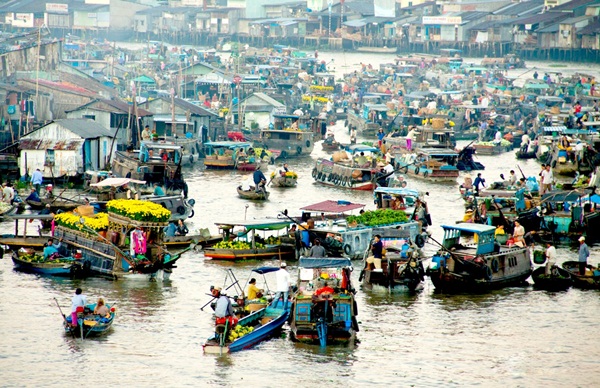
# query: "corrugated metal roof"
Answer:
x=550 y=29
x=541 y=18
x=118 y=105
x=520 y=9
x=333 y=206
x=50 y=144
x=590 y=29
x=571 y=5
x=86 y=129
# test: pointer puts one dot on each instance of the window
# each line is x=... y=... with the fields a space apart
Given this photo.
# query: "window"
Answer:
x=90 y=117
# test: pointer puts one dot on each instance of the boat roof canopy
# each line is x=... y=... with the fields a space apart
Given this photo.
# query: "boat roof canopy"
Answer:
x=333 y=206
x=264 y=270
x=116 y=182
x=324 y=262
x=227 y=144
x=470 y=227
x=160 y=145
x=361 y=148
x=264 y=224
x=397 y=191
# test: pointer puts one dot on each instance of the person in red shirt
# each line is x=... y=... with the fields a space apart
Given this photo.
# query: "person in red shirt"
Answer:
x=324 y=290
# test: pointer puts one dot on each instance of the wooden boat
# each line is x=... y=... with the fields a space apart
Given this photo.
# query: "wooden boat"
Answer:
x=591 y=279
x=290 y=136
x=7 y=209
x=328 y=318
x=435 y=165
x=490 y=149
x=559 y=280
x=89 y=324
x=256 y=327
x=400 y=268
x=20 y=238
x=243 y=245
x=35 y=263
x=346 y=173
x=204 y=239
x=252 y=194
x=289 y=180
x=330 y=145
x=479 y=264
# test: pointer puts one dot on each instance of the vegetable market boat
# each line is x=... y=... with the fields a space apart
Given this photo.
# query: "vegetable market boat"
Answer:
x=558 y=280
x=326 y=318
x=253 y=194
x=154 y=162
x=89 y=324
x=249 y=331
x=290 y=136
x=245 y=246
x=479 y=264
x=435 y=165
x=342 y=171
x=224 y=154
x=290 y=179
x=121 y=243
x=591 y=279
x=31 y=262
x=492 y=148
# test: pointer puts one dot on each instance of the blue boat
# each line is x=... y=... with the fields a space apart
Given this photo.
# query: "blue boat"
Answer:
x=35 y=263
x=327 y=318
x=254 y=328
x=89 y=324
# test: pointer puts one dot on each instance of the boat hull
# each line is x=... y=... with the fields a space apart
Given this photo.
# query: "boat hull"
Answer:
x=587 y=281
x=286 y=252
x=284 y=182
x=252 y=195
x=90 y=325
x=552 y=283
x=47 y=268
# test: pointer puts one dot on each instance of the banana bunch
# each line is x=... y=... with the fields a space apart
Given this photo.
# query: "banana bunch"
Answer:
x=239 y=332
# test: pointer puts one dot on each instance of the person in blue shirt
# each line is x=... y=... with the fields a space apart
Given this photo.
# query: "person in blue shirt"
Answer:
x=259 y=180
x=170 y=229
x=158 y=191
x=51 y=249
x=33 y=196
x=479 y=181
x=36 y=180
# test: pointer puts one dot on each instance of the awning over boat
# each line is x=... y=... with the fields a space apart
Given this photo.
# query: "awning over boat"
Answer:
x=160 y=145
x=361 y=148
x=324 y=262
x=264 y=270
x=470 y=227
x=333 y=207
x=536 y=86
x=564 y=196
x=264 y=224
x=116 y=182
x=397 y=191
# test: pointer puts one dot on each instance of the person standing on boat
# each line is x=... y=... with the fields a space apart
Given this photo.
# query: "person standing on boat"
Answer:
x=353 y=135
x=584 y=253
x=36 y=180
x=146 y=133
x=259 y=180
x=518 y=234
x=377 y=251
x=550 y=258
x=479 y=181
x=380 y=136
x=78 y=302
x=317 y=250
x=283 y=286
x=512 y=178
x=547 y=179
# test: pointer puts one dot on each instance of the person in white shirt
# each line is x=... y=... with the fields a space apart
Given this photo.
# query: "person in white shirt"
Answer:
x=283 y=286
x=547 y=180
x=78 y=301
x=550 y=258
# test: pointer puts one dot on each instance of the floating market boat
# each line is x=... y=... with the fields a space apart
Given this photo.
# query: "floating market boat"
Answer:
x=290 y=179
x=342 y=171
x=19 y=239
x=253 y=194
x=245 y=246
x=224 y=154
x=249 y=331
x=35 y=263
x=290 y=136
x=326 y=318
x=492 y=148
x=479 y=264
x=558 y=280
x=435 y=165
x=591 y=279
x=570 y=213
x=89 y=324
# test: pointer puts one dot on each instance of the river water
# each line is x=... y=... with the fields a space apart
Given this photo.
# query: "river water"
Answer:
x=517 y=337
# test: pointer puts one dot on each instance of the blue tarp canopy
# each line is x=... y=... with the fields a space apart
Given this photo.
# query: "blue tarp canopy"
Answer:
x=564 y=196
x=324 y=262
x=361 y=148
x=397 y=191
x=470 y=227
x=595 y=198
x=264 y=270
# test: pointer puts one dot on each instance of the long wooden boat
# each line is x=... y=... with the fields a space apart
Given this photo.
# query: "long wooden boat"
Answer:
x=478 y=264
x=430 y=164
x=255 y=328
x=252 y=195
x=281 y=251
x=591 y=279
x=89 y=324
x=330 y=146
x=485 y=149
x=327 y=318
x=559 y=280
x=346 y=173
x=35 y=263
x=401 y=268
x=204 y=240
x=290 y=136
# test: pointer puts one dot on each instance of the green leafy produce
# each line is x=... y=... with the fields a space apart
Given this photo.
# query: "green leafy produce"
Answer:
x=379 y=217
x=236 y=245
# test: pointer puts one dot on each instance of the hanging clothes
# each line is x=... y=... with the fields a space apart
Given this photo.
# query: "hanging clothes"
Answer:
x=137 y=242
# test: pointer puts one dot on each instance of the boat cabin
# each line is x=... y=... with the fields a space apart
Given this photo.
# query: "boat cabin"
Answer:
x=481 y=238
x=153 y=162
x=223 y=154
x=387 y=197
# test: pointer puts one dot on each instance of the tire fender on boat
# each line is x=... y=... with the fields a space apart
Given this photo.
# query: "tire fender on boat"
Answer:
x=191 y=158
x=488 y=273
x=283 y=154
x=405 y=169
x=308 y=144
x=299 y=150
x=420 y=240
x=191 y=214
x=329 y=177
x=425 y=174
x=347 y=249
x=314 y=172
x=417 y=170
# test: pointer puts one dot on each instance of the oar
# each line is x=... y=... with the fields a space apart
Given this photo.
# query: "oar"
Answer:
x=65 y=319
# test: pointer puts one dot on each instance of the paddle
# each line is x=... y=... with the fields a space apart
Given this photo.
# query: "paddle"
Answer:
x=65 y=319
x=523 y=175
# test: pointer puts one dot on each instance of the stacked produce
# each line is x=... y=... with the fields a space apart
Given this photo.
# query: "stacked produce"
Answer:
x=289 y=174
x=273 y=240
x=378 y=217
x=307 y=98
x=139 y=210
x=319 y=88
x=72 y=221
x=4 y=207
x=34 y=258
x=236 y=245
x=503 y=143
x=239 y=332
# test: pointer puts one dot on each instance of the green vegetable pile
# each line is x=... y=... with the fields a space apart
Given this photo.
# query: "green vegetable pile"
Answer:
x=273 y=240
x=503 y=143
x=33 y=258
x=236 y=245
x=379 y=217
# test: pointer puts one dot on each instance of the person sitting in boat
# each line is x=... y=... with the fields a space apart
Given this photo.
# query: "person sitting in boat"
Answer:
x=284 y=169
x=362 y=161
x=51 y=250
x=223 y=308
x=158 y=190
x=325 y=290
x=329 y=138
x=512 y=178
x=294 y=125
x=550 y=258
x=170 y=230
x=518 y=234
x=182 y=230
x=564 y=142
x=101 y=308
x=33 y=196
x=398 y=203
x=317 y=250
x=259 y=180
x=253 y=291
x=377 y=253
x=78 y=303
